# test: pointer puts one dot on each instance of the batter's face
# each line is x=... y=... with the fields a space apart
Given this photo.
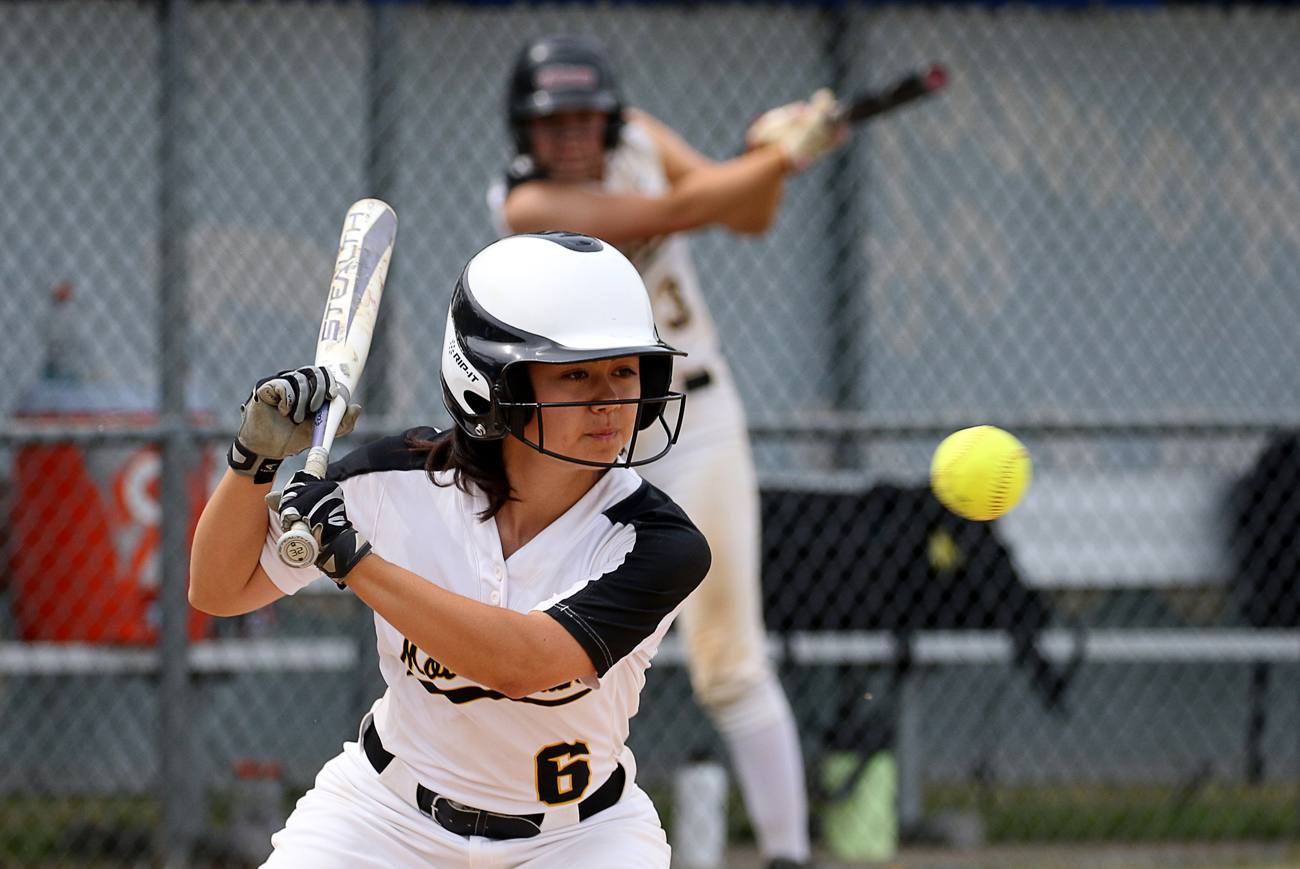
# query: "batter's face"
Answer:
x=570 y=146
x=596 y=432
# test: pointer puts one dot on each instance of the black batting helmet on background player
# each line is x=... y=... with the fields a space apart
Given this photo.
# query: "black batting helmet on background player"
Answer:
x=552 y=297
x=560 y=73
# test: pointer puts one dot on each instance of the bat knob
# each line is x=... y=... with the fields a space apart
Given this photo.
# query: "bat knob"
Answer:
x=935 y=77
x=297 y=547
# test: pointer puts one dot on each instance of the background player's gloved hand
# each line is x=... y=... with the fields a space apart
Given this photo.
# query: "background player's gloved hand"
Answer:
x=320 y=504
x=814 y=132
x=276 y=420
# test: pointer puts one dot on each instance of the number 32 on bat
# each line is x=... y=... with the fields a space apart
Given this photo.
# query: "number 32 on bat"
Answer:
x=562 y=773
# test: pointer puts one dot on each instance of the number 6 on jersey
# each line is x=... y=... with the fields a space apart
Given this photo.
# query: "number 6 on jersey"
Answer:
x=343 y=344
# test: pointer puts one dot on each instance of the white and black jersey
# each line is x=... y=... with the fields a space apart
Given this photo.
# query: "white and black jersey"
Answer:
x=614 y=570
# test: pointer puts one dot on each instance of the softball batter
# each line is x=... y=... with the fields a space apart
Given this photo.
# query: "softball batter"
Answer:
x=521 y=573
x=588 y=164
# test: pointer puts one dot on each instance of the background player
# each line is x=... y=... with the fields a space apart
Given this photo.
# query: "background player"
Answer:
x=521 y=575
x=587 y=163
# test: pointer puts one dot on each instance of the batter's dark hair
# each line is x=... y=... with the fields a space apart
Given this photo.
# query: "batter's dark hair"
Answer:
x=472 y=461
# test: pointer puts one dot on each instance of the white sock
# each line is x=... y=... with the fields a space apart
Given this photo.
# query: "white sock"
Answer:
x=768 y=764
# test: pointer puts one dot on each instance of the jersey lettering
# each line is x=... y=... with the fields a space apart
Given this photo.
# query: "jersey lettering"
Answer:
x=430 y=667
x=428 y=671
x=470 y=693
x=557 y=782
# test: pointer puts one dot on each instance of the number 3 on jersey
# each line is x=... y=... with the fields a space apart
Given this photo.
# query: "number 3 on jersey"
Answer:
x=669 y=304
x=562 y=774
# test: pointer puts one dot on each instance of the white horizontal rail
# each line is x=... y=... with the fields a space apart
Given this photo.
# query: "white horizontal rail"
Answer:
x=1119 y=645
x=208 y=656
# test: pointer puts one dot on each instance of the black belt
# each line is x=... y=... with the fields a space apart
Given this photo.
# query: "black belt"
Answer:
x=697 y=381
x=468 y=821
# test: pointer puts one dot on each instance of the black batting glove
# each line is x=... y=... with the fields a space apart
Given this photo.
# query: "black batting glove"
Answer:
x=277 y=419
x=320 y=504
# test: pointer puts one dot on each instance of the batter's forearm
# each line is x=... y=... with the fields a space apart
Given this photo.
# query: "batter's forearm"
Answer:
x=515 y=653
x=228 y=541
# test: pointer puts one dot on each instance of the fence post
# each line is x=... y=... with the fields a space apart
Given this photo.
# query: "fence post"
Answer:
x=376 y=387
x=381 y=180
x=846 y=315
x=907 y=740
x=179 y=781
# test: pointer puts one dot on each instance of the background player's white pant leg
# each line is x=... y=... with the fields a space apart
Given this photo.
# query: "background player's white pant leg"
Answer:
x=769 y=767
x=710 y=474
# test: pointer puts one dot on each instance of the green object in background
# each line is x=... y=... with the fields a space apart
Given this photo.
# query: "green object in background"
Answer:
x=863 y=825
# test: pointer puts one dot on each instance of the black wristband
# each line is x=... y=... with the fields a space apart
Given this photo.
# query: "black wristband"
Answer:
x=346 y=552
x=247 y=463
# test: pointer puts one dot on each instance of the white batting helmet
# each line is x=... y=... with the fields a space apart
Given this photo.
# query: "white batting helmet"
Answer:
x=549 y=297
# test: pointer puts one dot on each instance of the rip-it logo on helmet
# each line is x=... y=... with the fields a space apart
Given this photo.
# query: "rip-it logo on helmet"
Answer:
x=551 y=297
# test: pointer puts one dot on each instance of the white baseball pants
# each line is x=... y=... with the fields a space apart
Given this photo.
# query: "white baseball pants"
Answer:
x=350 y=820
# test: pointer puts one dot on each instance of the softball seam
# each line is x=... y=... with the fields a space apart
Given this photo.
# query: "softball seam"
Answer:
x=1006 y=472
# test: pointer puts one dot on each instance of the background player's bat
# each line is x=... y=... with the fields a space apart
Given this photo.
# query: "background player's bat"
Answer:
x=344 y=340
x=868 y=104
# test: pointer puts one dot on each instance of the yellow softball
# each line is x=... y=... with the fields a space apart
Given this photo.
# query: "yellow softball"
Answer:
x=980 y=473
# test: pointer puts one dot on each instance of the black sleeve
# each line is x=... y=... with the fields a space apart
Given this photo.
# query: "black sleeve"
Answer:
x=393 y=453
x=613 y=614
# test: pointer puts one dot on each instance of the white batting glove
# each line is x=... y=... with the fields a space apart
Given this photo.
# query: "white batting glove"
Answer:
x=277 y=420
x=814 y=132
x=770 y=126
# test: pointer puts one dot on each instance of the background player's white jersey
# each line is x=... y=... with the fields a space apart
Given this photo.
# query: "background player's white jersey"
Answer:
x=614 y=570
x=664 y=262
x=709 y=472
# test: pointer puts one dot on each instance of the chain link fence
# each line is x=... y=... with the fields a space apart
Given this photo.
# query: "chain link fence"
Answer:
x=1091 y=237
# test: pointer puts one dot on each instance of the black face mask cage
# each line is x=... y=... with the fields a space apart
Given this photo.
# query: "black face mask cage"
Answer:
x=525 y=410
